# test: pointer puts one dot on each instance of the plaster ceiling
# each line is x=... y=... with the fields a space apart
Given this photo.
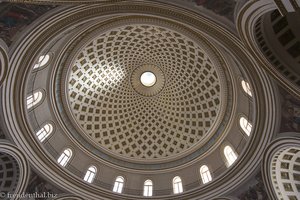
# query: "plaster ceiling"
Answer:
x=119 y=114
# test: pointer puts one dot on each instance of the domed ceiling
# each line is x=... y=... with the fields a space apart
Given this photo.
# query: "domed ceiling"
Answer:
x=105 y=114
x=121 y=115
x=142 y=99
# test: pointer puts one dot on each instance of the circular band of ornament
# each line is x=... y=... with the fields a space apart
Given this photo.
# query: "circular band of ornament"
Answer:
x=153 y=88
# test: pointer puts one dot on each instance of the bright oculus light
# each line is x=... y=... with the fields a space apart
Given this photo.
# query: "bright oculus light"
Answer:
x=148 y=79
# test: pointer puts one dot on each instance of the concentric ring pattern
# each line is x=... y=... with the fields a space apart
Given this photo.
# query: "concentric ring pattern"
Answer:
x=122 y=121
x=142 y=89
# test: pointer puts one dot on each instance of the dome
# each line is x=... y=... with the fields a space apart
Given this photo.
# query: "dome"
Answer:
x=119 y=114
x=148 y=99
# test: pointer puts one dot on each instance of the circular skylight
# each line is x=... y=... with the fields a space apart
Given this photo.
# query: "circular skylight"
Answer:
x=148 y=79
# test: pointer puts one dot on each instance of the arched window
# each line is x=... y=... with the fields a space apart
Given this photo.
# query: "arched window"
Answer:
x=90 y=174
x=245 y=125
x=34 y=99
x=44 y=132
x=65 y=157
x=148 y=188
x=43 y=60
x=246 y=87
x=119 y=183
x=177 y=185
x=230 y=155
x=205 y=174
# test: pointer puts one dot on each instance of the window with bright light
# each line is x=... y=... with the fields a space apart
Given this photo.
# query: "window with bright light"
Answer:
x=230 y=155
x=34 y=99
x=246 y=87
x=90 y=174
x=43 y=60
x=205 y=174
x=148 y=188
x=65 y=157
x=44 y=132
x=177 y=185
x=148 y=79
x=245 y=125
x=119 y=184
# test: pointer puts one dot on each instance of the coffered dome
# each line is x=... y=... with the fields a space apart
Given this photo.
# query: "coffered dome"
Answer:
x=116 y=111
x=112 y=98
